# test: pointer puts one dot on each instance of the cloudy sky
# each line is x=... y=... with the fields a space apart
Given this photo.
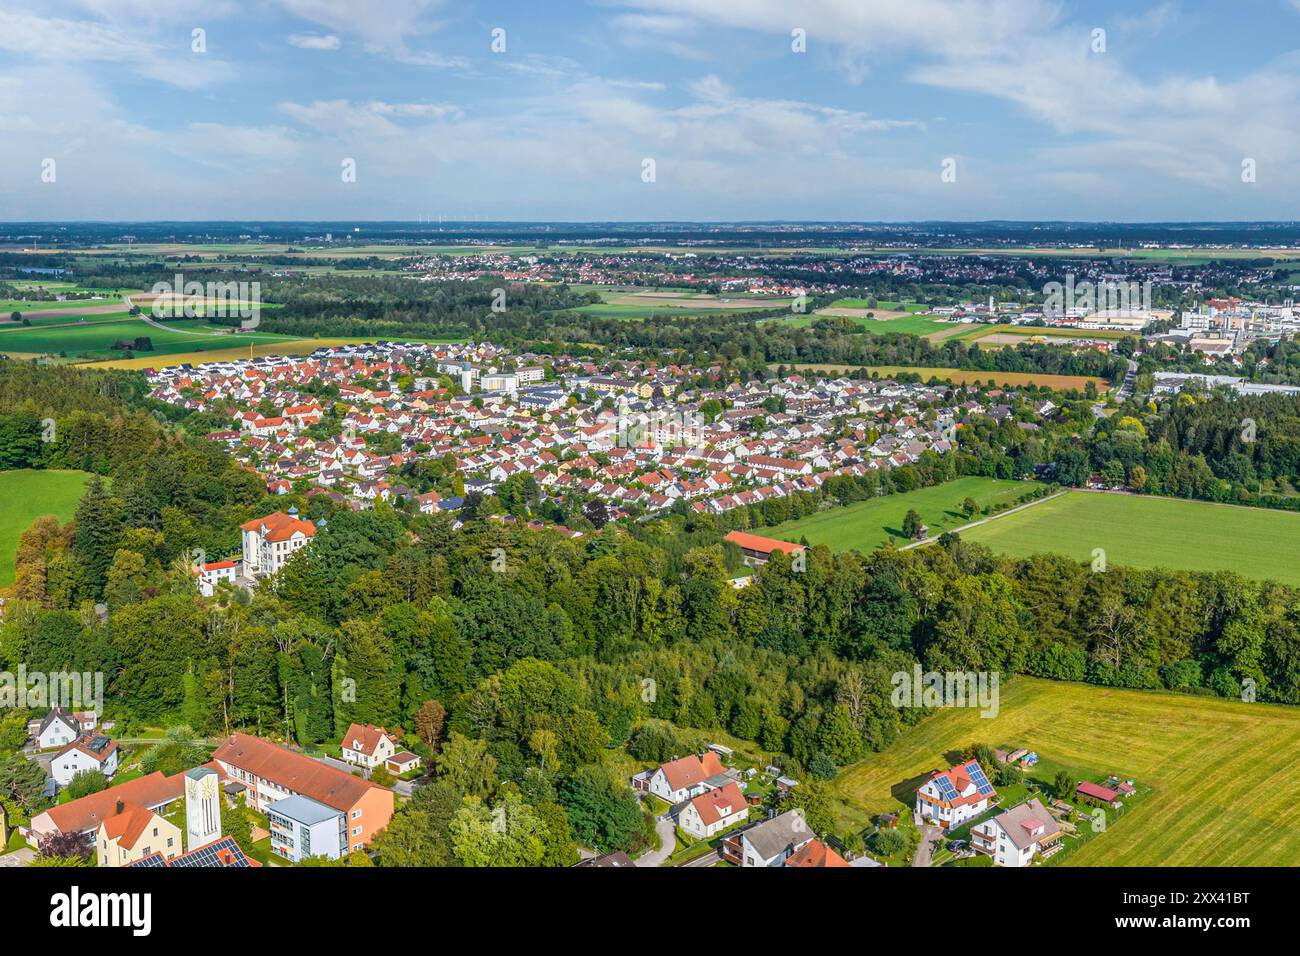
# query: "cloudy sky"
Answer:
x=1038 y=109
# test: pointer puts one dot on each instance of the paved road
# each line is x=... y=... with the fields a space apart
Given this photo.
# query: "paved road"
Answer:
x=709 y=859
x=975 y=524
x=1130 y=379
x=668 y=840
x=926 y=846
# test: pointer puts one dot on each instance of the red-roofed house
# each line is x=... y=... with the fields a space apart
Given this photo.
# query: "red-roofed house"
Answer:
x=953 y=796
x=713 y=810
x=687 y=777
x=84 y=754
x=131 y=833
x=367 y=745
x=815 y=853
x=84 y=815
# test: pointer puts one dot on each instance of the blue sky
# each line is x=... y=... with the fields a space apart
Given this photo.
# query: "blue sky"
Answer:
x=1037 y=123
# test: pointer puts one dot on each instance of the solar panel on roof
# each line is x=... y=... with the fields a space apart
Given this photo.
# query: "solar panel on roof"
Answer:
x=981 y=782
x=225 y=852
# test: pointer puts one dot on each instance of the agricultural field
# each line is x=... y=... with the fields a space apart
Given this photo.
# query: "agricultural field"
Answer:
x=27 y=495
x=1149 y=532
x=866 y=525
x=961 y=376
x=643 y=303
x=93 y=337
x=283 y=345
x=903 y=322
x=1219 y=770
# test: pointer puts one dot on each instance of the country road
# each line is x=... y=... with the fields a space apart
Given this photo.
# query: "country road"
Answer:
x=975 y=524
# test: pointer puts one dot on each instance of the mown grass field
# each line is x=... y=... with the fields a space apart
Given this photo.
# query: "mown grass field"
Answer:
x=866 y=525
x=94 y=337
x=644 y=303
x=959 y=376
x=1222 y=771
x=27 y=495
x=1150 y=532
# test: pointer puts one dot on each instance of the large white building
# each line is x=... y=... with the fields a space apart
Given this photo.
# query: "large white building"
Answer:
x=269 y=541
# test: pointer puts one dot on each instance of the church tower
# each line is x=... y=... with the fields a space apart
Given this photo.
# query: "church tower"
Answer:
x=202 y=808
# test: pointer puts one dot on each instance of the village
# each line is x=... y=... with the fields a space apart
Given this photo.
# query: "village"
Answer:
x=719 y=807
x=350 y=422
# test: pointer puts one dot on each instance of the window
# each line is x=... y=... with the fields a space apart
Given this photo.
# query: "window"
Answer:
x=356 y=831
x=356 y=814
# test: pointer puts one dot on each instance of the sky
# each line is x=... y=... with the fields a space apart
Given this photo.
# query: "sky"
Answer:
x=854 y=110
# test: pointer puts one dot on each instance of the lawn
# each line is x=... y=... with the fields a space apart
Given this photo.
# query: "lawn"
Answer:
x=1150 y=532
x=642 y=303
x=94 y=336
x=887 y=322
x=27 y=495
x=1220 y=771
x=866 y=525
x=220 y=351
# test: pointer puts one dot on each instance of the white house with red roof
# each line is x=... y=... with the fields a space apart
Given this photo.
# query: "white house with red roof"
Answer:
x=84 y=754
x=213 y=573
x=366 y=745
x=687 y=777
x=713 y=810
x=269 y=541
x=951 y=797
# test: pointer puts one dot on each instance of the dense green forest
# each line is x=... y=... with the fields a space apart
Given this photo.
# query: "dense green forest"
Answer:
x=521 y=676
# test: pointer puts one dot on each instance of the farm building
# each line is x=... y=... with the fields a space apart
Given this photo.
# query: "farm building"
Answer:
x=1096 y=794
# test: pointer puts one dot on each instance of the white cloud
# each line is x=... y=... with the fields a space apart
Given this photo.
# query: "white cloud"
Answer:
x=314 y=41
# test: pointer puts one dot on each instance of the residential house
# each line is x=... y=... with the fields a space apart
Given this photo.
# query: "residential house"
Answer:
x=713 y=810
x=953 y=796
x=368 y=746
x=84 y=754
x=771 y=842
x=1014 y=838
x=815 y=853
x=687 y=777
x=131 y=833
x=270 y=773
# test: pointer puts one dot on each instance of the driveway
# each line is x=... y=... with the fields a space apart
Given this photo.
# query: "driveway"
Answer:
x=668 y=840
x=926 y=847
x=18 y=857
x=339 y=764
